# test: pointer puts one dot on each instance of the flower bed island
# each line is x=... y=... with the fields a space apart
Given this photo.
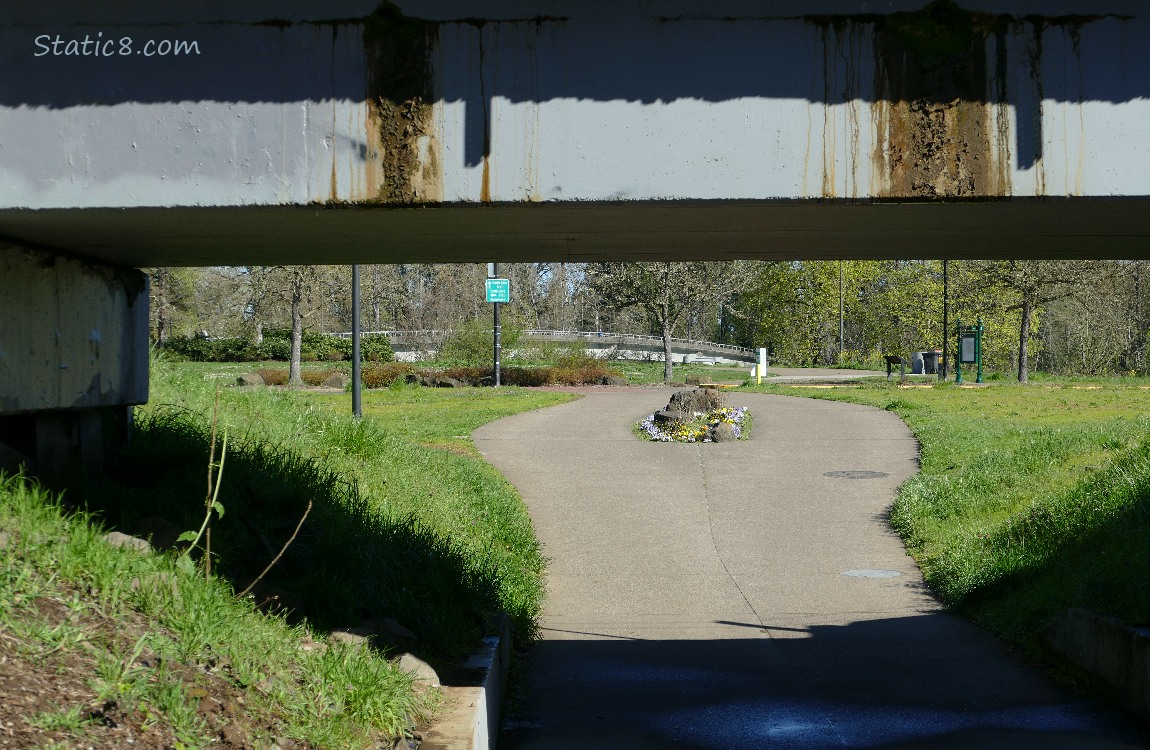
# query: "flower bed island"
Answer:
x=700 y=428
x=696 y=416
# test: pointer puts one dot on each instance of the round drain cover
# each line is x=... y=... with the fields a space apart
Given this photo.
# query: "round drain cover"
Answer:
x=856 y=474
x=872 y=573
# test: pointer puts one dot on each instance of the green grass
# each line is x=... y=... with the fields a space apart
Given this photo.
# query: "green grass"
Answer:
x=646 y=373
x=407 y=523
x=443 y=417
x=155 y=648
x=1030 y=499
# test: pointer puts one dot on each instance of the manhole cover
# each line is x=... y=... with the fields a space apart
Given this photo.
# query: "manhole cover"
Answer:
x=872 y=573
x=856 y=474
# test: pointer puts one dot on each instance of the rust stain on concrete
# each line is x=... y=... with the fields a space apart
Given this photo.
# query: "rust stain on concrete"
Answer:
x=931 y=74
x=940 y=112
x=485 y=188
x=401 y=113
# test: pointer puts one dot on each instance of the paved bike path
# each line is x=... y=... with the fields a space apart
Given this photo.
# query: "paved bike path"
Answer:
x=745 y=596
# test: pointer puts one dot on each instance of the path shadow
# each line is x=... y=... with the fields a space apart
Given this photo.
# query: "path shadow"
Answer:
x=931 y=680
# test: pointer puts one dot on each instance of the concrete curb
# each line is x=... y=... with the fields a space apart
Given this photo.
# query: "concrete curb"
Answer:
x=1109 y=649
x=474 y=691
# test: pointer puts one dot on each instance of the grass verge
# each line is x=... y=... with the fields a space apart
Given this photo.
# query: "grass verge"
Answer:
x=408 y=523
x=1030 y=499
x=107 y=646
x=402 y=522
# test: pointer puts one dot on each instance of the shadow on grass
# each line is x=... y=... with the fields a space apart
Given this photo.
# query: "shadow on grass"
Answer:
x=349 y=563
x=1087 y=548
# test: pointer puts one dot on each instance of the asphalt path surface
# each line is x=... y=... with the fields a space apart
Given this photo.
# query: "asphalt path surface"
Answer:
x=751 y=595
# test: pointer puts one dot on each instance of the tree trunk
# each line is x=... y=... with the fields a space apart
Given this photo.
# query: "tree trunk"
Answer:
x=161 y=307
x=668 y=363
x=1024 y=342
x=258 y=339
x=296 y=331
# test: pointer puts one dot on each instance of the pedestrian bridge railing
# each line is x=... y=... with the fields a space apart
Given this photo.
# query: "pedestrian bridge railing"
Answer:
x=599 y=343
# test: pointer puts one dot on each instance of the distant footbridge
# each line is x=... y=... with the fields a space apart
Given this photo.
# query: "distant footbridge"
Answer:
x=412 y=346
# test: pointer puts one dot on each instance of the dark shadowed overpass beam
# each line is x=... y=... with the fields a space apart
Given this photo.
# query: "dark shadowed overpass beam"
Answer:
x=661 y=230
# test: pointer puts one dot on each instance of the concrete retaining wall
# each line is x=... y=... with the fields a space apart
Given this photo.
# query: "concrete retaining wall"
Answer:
x=1117 y=653
x=475 y=690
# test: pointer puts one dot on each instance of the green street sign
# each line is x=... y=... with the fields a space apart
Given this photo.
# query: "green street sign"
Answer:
x=498 y=290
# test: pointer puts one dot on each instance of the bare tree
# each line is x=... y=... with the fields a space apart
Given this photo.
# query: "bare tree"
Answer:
x=666 y=292
x=1031 y=284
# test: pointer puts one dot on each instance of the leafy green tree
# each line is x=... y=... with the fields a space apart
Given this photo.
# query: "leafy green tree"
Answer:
x=472 y=344
x=172 y=292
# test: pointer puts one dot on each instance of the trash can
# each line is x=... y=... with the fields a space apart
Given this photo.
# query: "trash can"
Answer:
x=916 y=363
x=930 y=362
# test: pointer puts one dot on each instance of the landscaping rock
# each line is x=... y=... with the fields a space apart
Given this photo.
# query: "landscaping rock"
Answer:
x=724 y=432
x=700 y=401
x=312 y=646
x=668 y=416
x=250 y=379
x=419 y=669
x=392 y=635
x=162 y=533
x=362 y=637
x=118 y=539
x=613 y=380
x=431 y=380
x=336 y=380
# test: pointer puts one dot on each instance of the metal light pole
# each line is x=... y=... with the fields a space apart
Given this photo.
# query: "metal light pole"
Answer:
x=498 y=328
x=356 y=367
x=840 y=312
x=942 y=371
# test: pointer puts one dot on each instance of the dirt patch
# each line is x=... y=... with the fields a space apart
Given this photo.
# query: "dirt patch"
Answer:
x=56 y=697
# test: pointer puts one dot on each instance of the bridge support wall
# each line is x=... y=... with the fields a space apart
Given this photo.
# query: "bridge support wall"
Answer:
x=73 y=359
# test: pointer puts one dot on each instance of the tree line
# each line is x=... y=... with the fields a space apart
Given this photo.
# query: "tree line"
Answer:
x=1083 y=317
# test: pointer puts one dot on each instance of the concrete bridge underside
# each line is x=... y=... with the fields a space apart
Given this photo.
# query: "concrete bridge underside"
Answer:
x=577 y=232
x=138 y=134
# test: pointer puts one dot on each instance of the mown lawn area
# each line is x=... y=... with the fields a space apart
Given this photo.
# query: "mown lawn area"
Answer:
x=646 y=373
x=1030 y=499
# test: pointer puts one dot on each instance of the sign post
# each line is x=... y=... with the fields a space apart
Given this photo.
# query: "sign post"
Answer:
x=498 y=292
x=969 y=349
